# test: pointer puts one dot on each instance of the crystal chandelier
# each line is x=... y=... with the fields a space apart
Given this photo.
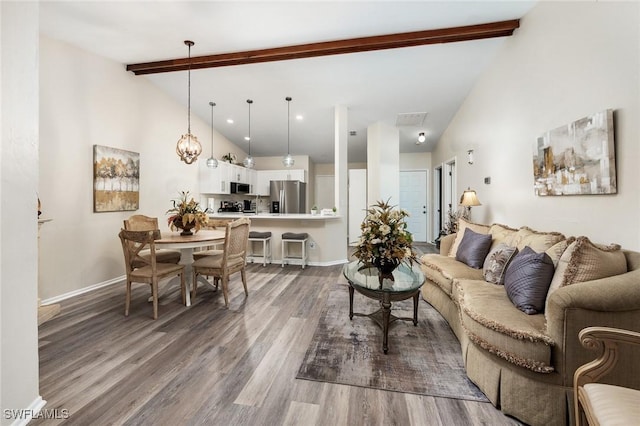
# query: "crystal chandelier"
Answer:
x=248 y=162
x=211 y=161
x=188 y=147
x=288 y=160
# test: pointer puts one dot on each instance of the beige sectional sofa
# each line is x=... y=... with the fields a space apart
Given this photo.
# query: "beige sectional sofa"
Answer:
x=524 y=363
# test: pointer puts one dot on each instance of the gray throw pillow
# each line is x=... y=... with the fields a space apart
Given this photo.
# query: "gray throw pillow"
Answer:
x=495 y=265
x=527 y=280
x=473 y=248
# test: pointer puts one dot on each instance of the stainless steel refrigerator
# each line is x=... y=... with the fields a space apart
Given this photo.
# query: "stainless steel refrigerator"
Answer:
x=288 y=195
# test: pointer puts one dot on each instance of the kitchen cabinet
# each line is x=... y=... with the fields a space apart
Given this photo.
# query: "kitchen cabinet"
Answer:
x=264 y=177
x=214 y=181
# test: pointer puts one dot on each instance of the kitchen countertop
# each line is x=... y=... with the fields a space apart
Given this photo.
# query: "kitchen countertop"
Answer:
x=302 y=216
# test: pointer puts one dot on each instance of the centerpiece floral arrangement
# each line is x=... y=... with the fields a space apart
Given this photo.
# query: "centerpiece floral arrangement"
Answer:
x=187 y=215
x=385 y=241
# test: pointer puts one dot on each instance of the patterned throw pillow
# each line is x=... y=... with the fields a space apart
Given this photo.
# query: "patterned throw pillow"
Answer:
x=473 y=248
x=495 y=265
x=527 y=280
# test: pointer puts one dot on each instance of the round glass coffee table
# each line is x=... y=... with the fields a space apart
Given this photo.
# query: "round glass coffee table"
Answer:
x=406 y=283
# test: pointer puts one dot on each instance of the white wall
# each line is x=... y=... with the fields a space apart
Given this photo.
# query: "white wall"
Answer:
x=383 y=160
x=18 y=190
x=415 y=161
x=85 y=100
x=567 y=60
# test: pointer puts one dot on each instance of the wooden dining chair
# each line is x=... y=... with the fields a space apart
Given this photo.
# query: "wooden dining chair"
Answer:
x=140 y=222
x=232 y=259
x=214 y=249
x=146 y=268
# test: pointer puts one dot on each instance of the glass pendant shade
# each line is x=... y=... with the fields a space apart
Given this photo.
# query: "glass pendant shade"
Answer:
x=288 y=160
x=248 y=161
x=212 y=163
x=188 y=147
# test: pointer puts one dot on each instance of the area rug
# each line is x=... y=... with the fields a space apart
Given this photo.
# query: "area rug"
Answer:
x=423 y=359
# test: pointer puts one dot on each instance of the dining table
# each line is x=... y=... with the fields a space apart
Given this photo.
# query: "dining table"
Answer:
x=186 y=244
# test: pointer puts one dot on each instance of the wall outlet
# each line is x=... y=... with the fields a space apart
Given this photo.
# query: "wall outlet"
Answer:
x=312 y=245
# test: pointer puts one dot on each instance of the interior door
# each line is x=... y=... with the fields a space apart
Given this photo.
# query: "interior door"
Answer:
x=413 y=199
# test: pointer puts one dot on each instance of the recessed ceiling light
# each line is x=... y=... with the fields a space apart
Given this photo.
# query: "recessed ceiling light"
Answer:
x=230 y=120
x=247 y=138
x=299 y=117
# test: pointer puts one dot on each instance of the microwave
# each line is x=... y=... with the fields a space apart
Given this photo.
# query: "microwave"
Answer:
x=240 y=188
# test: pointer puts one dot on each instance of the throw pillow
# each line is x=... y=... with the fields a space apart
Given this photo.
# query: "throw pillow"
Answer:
x=586 y=261
x=473 y=248
x=495 y=265
x=502 y=234
x=527 y=280
x=462 y=225
x=538 y=241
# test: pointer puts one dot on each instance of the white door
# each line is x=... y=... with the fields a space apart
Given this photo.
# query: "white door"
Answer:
x=413 y=199
x=357 y=202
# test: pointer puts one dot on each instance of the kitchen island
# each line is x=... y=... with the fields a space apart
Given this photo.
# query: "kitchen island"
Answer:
x=327 y=244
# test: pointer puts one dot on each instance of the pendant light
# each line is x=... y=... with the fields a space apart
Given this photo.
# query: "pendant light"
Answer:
x=211 y=161
x=188 y=147
x=248 y=162
x=288 y=160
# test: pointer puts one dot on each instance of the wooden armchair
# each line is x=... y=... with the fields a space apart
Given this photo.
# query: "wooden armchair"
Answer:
x=146 y=268
x=139 y=222
x=598 y=403
x=232 y=259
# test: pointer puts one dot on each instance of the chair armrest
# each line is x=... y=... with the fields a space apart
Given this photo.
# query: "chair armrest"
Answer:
x=445 y=244
x=604 y=340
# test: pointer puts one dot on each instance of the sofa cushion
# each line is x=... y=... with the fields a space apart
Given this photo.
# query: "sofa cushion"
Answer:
x=462 y=225
x=442 y=270
x=555 y=251
x=492 y=322
x=527 y=280
x=502 y=234
x=496 y=262
x=586 y=261
x=473 y=248
x=538 y=241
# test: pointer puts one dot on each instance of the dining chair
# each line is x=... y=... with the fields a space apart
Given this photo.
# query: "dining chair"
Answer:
x=214 y=249
x=598 y=401
x=140 y=222
x=232 y=259
x=146 y=268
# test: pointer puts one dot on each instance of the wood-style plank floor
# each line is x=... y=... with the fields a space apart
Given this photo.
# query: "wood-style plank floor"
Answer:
x=210 y=365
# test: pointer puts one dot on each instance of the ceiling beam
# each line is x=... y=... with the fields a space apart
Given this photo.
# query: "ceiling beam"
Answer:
x=352 y=45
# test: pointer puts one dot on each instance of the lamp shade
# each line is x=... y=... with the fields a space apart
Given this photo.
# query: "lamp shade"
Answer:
x=469 y=198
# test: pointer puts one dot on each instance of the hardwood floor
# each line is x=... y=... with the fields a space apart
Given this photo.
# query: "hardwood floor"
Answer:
x=209 y=365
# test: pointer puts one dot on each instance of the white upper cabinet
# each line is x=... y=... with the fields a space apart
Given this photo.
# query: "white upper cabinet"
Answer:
x=214 y=181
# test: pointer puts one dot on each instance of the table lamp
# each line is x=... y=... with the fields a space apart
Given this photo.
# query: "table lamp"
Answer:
x=469 y=199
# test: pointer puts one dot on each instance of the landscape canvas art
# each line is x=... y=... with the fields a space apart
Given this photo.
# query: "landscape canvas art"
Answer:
x=577 y=159
x=116 y=179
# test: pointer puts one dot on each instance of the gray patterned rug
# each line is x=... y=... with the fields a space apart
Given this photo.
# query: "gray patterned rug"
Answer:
x=424 y=360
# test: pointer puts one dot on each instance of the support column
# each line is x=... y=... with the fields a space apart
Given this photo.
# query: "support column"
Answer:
x=341 y=172
x=383 y=163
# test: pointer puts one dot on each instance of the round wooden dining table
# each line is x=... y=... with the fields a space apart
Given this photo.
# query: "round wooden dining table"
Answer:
x=186 y=244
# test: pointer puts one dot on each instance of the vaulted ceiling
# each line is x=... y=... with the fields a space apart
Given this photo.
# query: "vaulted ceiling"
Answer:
x=376 y=86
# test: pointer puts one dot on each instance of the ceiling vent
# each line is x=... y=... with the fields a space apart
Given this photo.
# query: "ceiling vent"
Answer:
x=353 y=133
x=414 y=119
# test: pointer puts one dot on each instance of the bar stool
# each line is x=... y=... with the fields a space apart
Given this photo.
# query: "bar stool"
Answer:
x=291 y=237
x=265 y=238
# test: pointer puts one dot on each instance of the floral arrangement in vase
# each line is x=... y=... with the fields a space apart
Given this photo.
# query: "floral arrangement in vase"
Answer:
x=229 y=158
x=187 y=215
x=385 y=241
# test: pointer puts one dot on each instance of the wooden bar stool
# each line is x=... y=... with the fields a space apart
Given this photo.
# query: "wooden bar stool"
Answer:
x=291 y=237
x=265 y=238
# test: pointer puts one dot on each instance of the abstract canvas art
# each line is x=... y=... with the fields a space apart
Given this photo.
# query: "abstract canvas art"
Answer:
x=577 y=159
x=116 y=178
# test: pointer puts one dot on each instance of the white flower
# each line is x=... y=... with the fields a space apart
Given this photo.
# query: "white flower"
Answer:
x=376 y=241
x=385 y=229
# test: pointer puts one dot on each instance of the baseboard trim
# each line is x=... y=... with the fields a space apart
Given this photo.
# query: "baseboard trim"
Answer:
x=83 y=290
x=24 y=416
